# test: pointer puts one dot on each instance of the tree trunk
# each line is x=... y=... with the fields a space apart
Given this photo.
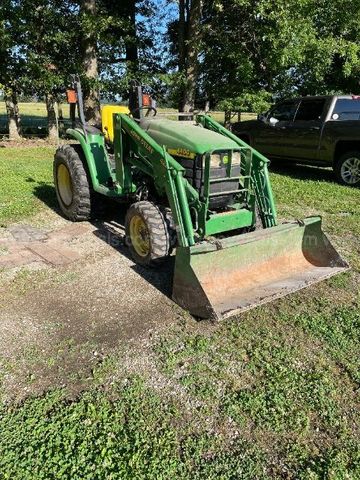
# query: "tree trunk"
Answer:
x=90 y=64
x=51 y=106
x=227 y=120
x=181 y=36
x=192 y=40
x=132 y=59
x=12 y=110
x=182 y=50
x=60 y=116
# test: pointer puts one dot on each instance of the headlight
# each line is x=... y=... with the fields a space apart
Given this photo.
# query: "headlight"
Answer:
x=236 y=159
x=222 y=159
x=215 y=160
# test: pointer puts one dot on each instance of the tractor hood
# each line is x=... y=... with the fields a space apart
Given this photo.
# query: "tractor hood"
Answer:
x=182 y=135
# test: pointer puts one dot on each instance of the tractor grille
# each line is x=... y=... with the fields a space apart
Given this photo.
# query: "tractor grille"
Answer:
x=219 y=180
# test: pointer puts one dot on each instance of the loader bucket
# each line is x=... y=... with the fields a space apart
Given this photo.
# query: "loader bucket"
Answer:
x=231 y=275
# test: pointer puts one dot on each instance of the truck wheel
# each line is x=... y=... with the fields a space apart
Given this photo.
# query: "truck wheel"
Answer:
x=71 y=183
x=147 y=234
x=347 y=169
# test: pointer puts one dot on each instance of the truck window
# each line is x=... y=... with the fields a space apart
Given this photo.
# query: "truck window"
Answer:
x=310 y=110
x=346 y=109
x=284 y=112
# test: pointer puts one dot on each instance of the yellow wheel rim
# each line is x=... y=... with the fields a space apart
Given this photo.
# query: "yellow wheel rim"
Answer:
x=139 y=234
x=64 y=184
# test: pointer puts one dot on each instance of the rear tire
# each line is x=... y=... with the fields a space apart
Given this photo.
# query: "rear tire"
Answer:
x=147 y=233
x=72 y=185
x=347 y=169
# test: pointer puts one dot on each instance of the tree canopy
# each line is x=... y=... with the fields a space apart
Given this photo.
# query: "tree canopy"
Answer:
x=234 y=54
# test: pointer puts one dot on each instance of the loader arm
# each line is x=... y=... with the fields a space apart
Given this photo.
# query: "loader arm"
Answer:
x=190 y=207
x=259 y=172
x=132 y=145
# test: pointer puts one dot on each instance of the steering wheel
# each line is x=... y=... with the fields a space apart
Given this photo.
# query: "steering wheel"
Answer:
x=148 y=110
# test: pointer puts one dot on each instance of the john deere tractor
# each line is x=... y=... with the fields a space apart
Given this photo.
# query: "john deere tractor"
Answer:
x=191 y=187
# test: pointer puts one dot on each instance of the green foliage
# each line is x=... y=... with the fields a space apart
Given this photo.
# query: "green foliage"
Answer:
x=49 y=42
x=42 y=46
x=136 y=435
x=11 y=61
x=245 y=48
x=286 y=48
x=248 y=102
x=340 y=332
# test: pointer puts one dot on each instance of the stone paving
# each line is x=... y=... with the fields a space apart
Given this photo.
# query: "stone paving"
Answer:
x=26 y=244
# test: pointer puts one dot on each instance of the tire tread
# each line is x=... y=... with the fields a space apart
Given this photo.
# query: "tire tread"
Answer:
x=158 y=231
x=81 y=207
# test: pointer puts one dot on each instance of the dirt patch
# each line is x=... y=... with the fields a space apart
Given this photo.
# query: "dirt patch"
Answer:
x=59 y=322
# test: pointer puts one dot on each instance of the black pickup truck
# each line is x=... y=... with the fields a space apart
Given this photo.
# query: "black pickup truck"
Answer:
x=321 y=130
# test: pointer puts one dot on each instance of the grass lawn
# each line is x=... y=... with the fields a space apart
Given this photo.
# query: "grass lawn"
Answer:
x=25 y=174
x=272 y=394
x=36 y=109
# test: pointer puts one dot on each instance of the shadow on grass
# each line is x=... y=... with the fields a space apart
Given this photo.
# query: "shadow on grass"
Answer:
x=302 y=172
x=46 y=193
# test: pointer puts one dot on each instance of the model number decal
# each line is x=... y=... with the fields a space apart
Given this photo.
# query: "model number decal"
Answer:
x=181 y=152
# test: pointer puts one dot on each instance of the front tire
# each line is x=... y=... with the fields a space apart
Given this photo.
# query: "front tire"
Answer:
x=71 y=183
x=347 y=169
x=147 y=234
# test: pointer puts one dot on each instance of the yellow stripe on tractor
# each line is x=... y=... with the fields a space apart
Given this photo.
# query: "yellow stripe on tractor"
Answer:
x=181 y=152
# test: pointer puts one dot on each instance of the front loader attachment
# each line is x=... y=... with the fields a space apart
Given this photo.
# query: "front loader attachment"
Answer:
x=224 y=277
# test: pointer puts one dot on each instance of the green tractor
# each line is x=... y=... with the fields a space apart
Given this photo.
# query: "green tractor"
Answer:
x=194 y=188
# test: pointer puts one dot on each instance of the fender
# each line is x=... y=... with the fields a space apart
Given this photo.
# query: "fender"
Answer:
x=93 y=147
